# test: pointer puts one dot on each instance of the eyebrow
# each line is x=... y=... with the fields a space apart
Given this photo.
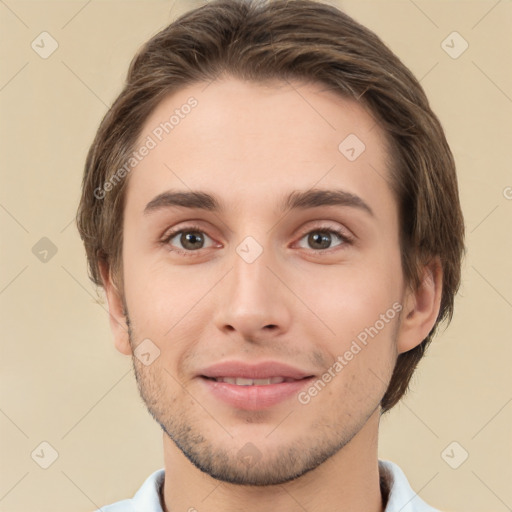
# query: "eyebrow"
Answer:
x=296 y=200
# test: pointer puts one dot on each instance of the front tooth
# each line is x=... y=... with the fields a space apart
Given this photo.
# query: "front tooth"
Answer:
x=240 y=381
x=261 y=382
x=244 y=382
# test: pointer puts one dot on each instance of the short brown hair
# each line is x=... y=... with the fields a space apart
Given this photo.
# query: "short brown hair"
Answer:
x=259 y=40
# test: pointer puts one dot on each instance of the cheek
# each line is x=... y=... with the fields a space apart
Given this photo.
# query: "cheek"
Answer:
x=349 y=299
x=360 y=306
x=166 y=305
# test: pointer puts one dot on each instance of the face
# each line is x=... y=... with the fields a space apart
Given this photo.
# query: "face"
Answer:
x=269 y=314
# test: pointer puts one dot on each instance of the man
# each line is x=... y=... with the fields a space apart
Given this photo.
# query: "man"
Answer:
x=272 y=209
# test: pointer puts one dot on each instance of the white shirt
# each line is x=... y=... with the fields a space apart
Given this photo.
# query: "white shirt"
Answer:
x=401 y=497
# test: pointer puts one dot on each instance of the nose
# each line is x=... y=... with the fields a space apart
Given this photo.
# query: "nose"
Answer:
x=252 y=300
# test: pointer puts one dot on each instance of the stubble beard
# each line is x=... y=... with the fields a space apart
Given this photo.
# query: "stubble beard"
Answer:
x=241 y=464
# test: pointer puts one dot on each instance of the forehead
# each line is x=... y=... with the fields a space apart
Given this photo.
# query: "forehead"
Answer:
x=251 y=142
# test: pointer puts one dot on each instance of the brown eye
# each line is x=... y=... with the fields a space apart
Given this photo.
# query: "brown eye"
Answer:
x=191 y=240
x=186 y=240
x=322 y=239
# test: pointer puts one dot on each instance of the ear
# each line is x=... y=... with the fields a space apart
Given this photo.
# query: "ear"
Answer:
x=118 y=323
x=421 y=307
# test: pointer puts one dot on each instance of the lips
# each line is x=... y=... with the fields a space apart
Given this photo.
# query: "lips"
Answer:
x=253 y=386
x=241 y=381
x=261 y=371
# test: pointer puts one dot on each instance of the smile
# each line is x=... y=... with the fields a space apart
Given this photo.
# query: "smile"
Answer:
x=241 y=381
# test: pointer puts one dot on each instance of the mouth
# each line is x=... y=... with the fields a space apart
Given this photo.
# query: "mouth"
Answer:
x=247 y=373
x=254 y=386
x=241 y=381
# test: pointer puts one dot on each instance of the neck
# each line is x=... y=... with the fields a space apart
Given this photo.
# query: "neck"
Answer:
x=348 y=481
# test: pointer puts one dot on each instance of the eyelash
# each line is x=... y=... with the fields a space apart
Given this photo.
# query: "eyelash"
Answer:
x=346 y=240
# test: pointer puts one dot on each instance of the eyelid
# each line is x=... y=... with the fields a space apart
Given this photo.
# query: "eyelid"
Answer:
x=343 y=231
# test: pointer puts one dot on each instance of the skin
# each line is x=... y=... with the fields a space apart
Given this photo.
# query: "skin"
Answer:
x=250 y=145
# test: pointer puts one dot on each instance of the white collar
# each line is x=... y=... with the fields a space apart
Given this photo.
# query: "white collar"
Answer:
x=401 y=497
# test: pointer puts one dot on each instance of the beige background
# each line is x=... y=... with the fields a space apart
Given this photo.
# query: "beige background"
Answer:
x=62 y=380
